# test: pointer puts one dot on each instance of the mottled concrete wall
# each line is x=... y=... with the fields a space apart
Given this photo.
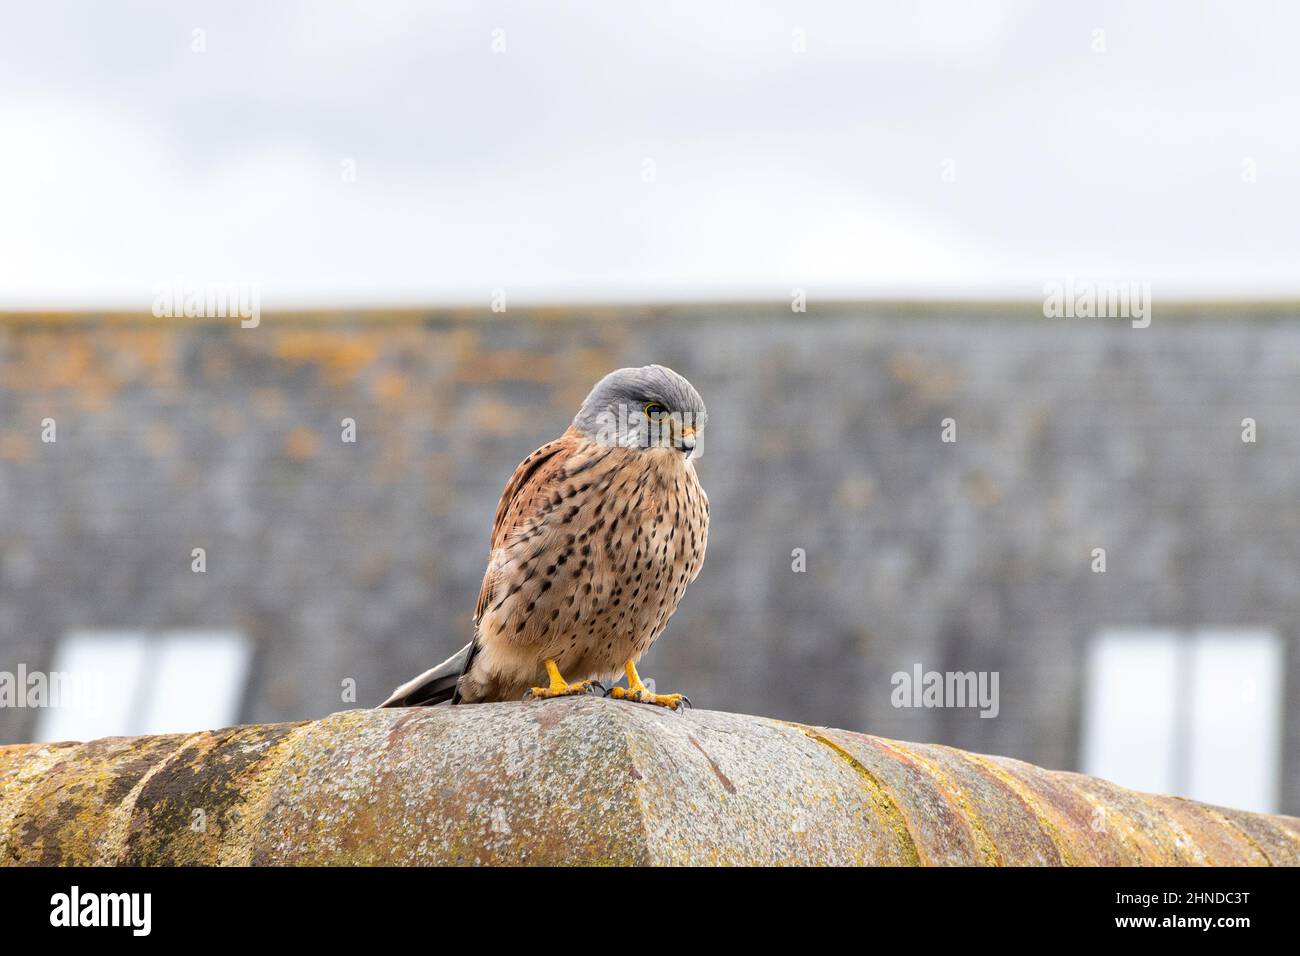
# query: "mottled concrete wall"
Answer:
x=587 y=781
x=364 y=560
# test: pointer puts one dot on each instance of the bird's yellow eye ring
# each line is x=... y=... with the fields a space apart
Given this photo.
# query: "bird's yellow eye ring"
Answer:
x=654 y=411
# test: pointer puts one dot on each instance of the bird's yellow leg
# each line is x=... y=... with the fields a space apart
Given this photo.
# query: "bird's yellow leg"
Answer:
x=636 y=690
x=559 y=686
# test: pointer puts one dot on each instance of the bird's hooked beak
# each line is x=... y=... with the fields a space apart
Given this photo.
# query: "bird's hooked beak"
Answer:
x=685 y=440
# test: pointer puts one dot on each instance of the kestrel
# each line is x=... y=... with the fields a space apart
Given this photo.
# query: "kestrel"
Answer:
x=597 y=535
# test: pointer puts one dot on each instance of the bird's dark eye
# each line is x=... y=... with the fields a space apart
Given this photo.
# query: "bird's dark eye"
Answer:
x=654 y=411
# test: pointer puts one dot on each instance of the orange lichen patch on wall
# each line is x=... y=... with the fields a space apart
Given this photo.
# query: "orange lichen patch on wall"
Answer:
x=497 y=417
x=83 y=370
x=99 y=361
x=47 y=360
x=64 y=361
x=455 y=343
x=94 y=398
x=143 y=354
x=390 y=387
x=981 y=488
x=341 y=355
x=925 y=383
x=598 y=361
x=409 y=338
x=589 y=366
x=516 y=365
x=301 y=443
x=15 y=446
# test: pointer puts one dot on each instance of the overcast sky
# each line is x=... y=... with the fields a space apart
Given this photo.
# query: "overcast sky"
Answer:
x=649 y=150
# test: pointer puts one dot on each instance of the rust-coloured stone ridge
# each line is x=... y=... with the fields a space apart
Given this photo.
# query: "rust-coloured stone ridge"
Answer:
x=586 y=781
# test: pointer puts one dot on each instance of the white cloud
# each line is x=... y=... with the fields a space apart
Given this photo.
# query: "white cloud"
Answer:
x=129 y=160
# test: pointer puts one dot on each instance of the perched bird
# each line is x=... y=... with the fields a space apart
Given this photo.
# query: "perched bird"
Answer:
x=597 y=535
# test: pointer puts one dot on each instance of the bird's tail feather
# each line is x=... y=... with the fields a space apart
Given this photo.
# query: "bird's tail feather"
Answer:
x=436 y=685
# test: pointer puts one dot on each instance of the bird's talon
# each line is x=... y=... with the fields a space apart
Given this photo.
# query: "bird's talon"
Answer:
x=673 y=702
x=567 y=690
x=559 y=686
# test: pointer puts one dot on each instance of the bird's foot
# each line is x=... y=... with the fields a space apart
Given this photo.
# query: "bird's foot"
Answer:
x=563 y=690
x=643 y=695
x=559 y=687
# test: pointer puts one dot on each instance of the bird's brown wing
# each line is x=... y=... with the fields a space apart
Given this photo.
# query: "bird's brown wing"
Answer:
x=528 y=495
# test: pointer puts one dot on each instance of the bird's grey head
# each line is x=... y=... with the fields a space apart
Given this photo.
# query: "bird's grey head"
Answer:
x=647 y=407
